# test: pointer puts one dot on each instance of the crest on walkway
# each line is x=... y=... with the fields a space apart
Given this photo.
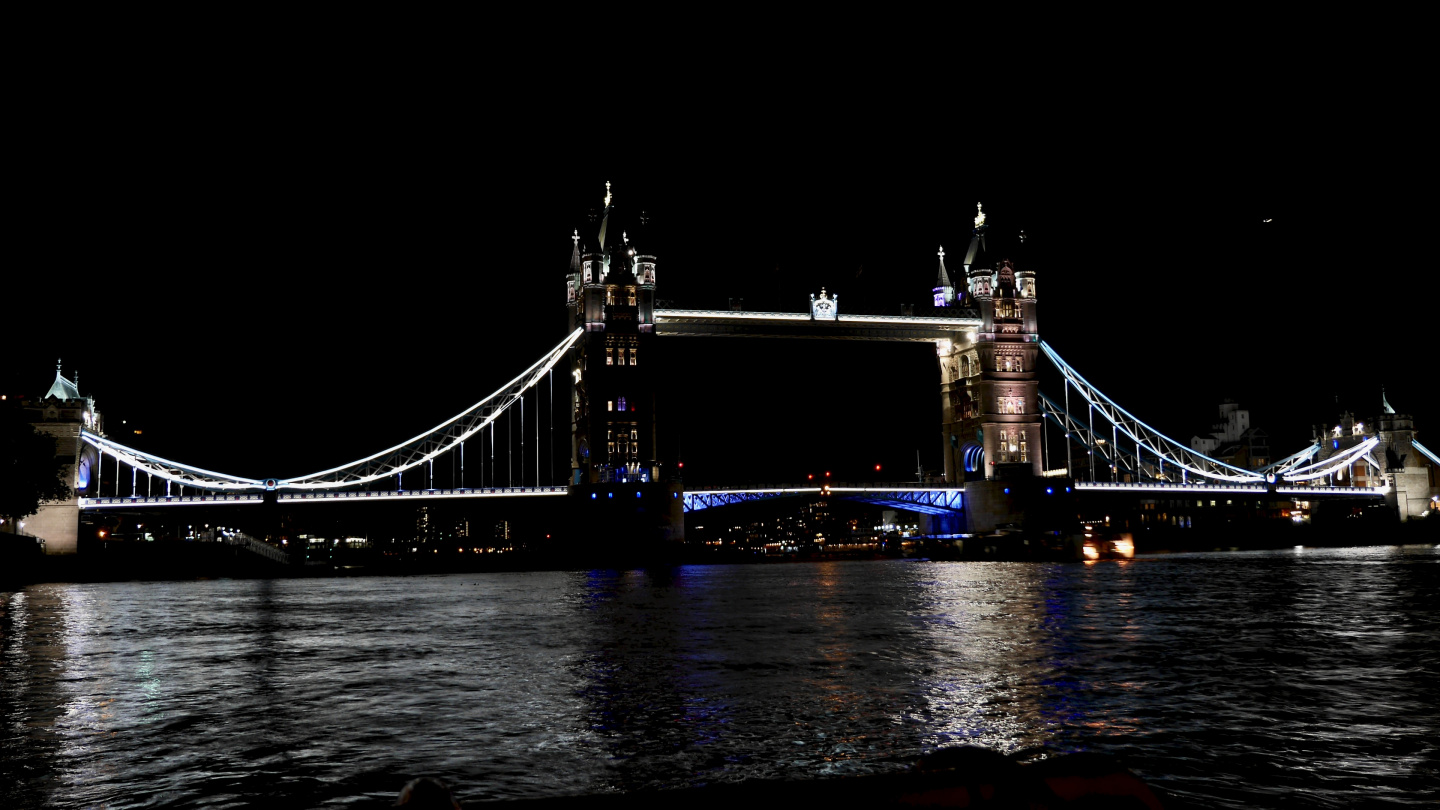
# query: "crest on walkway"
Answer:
x=824 y=308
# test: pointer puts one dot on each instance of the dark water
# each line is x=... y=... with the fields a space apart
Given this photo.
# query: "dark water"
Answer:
x=1304 y=679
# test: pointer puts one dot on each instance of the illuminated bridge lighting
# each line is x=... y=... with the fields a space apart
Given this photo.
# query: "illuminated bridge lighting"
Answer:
x=926 y=500
x=241 y=498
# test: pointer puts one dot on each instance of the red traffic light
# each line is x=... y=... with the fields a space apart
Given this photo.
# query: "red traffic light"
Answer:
x=682 y=465
x=810 y=477
x=877 y=468
x=827 y=473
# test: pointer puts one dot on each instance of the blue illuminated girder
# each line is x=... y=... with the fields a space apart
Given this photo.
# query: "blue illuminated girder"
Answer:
x=918 y=499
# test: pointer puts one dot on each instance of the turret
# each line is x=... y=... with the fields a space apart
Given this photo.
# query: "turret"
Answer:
x=944 y=291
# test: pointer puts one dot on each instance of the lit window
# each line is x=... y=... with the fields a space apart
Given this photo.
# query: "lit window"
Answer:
x=634 y=435
x=609 y=357
x=610 y=295
x=622 y=403
x=630 y=292
x=610 y=405
x=632 y=357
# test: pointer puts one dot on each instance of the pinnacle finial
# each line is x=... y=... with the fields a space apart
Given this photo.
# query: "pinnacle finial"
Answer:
x=576 y=237
x=942 y=253
x=625 y=237
x=979 y=215
x=607 y=193
x=57 y=365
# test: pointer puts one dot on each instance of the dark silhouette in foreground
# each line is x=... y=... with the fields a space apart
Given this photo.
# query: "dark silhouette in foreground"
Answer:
x=427 y=793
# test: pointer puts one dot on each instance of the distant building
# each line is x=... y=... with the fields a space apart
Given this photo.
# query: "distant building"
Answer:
x=1233 y=440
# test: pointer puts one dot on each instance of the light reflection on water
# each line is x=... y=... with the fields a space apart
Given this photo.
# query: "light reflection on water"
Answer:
x=1238 y=679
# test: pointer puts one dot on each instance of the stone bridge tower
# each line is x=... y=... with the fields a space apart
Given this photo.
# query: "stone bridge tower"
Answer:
x=610 y=294
x=63 y=413
x=1000 y=427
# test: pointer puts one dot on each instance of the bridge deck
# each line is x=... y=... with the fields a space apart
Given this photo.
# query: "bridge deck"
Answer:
x=226 y=499
x=913 y=498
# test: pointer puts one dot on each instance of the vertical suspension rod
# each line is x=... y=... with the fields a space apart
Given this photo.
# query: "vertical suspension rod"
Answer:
x=1069 y=465
x=551 y=375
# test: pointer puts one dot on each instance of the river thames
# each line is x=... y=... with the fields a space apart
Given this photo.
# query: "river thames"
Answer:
x=1306 y=678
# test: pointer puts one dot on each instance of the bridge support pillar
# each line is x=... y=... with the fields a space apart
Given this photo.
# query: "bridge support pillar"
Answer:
x=623 y=520
x=1034 y=504
x=58 y=524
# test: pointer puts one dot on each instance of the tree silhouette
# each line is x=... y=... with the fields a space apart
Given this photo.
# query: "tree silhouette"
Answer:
x=30 y=472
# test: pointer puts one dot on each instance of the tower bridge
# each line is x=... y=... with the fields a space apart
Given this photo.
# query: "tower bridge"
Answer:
x=997 y=430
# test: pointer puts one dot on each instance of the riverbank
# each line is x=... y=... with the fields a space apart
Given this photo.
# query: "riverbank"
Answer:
x=181 y=560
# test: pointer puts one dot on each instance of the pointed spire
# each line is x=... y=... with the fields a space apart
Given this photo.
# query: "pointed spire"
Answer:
x=1385 y=401
x=575 y=253
x=605 y=222
x=977 y=242
x=943 y=280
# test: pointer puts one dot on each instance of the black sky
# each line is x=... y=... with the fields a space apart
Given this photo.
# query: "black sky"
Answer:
x=279 y=278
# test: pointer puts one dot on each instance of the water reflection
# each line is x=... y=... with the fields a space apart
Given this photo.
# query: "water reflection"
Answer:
x=1219 y=676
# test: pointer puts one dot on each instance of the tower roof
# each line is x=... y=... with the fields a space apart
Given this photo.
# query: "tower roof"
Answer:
x=942 y=280
x=62 y=388
x=575 y=254
x=1385 y=402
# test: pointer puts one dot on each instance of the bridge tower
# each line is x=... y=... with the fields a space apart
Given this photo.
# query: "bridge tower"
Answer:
x=63 y=413
x=611 y=296
x=1004 y=418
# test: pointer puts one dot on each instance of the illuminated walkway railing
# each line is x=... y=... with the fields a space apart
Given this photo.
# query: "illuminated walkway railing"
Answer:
x=328 y=496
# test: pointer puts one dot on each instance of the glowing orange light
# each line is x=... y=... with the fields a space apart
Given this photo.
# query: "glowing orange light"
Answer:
x=877 y=468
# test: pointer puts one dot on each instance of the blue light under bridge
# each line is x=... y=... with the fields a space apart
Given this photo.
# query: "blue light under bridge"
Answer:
x=925 y=500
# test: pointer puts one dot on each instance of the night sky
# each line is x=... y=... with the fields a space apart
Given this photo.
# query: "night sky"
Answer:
x=268 y=288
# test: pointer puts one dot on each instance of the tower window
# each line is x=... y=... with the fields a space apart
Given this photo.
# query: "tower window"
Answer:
x=632 y=357
x=1013 y=446
x=610 y=405
x=610 y=295
x=630 y=293
x=609 y=356
x=622 y=403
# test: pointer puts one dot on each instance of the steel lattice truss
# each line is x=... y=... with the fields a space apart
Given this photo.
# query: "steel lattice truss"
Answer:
x=917 y=499
x=1182 y=462
x=404 y=456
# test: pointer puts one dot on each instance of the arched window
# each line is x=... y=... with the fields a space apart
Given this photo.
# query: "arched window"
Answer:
x=964 y=365
x=621 y=403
